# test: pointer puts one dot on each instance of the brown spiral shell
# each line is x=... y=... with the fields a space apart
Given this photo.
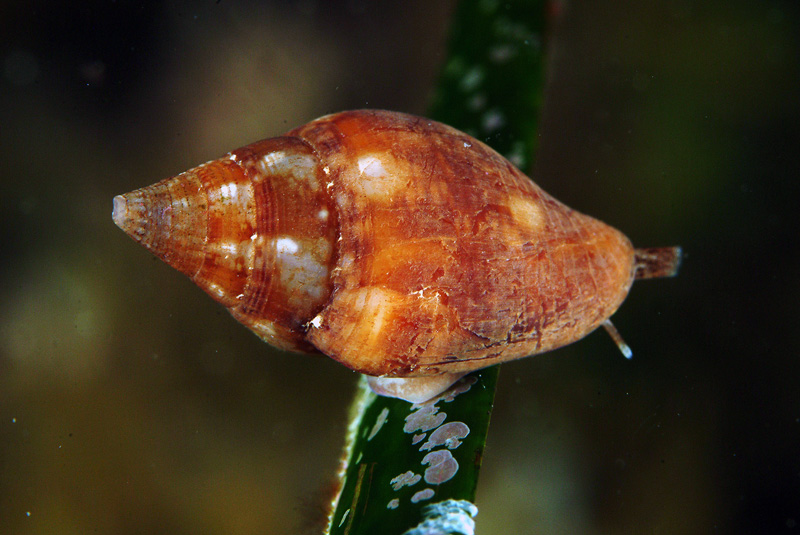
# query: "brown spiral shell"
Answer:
x=396 y=245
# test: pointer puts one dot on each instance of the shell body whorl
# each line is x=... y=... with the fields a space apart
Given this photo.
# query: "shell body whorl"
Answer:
x=396 y=245
x=449 y=258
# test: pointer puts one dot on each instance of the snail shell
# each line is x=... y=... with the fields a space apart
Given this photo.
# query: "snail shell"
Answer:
x=396 y=245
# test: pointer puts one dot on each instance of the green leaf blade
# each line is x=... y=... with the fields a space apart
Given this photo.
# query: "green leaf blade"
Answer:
x=491 y=87
x=390 y=471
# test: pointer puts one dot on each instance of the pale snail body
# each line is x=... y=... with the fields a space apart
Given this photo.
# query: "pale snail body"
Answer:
x=396 y=245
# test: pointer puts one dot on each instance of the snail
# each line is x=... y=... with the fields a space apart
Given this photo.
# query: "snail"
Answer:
x=398 y=246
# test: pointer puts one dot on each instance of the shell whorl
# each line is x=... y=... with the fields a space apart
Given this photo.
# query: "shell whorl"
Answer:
x=255 y=230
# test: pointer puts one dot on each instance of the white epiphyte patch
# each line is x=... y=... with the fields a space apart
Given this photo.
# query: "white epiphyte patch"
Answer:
x=460 y=387
x=425 y=418
x=379 y=421
x=450 y=516
x=394 y=503
x=443 y=466
x=344 y=517
x=448 y=435
x=294 y=166
x=421 y=496
x=406 y=479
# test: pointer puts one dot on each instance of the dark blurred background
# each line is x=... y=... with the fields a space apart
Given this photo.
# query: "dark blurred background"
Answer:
x=131 y=403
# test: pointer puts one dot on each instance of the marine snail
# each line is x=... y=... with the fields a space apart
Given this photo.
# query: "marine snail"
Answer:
x=398 y=246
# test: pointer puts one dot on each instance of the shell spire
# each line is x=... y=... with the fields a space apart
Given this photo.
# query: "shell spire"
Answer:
x=255 y=230
x=172 y=220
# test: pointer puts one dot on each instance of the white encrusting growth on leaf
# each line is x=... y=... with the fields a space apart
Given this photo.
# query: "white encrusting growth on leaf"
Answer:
x=422 y=495
x=406 y=479
x=453 y=517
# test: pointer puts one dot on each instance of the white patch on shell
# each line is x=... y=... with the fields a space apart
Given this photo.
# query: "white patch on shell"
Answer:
x=228 y=248
x=406 y=479
x=300 y=272
x=216 y=290
x=394 y=503
x=300 y=167
x=230 y=254
x=228 y=191
x=379 y=421
x=371 y=167
x=264 y=329
x=526 y=213
x=179 y=204
x=425 y=494
x=286 y=246
x=448 y=435
x=414 y=389
x=375 y=178
x=443 y=466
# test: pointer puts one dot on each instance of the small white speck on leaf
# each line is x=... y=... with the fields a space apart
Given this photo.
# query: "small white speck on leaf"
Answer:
x=384 y=414
x=344 y=517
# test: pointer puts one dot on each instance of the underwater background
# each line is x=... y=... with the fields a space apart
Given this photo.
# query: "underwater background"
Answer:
x=132 y=403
